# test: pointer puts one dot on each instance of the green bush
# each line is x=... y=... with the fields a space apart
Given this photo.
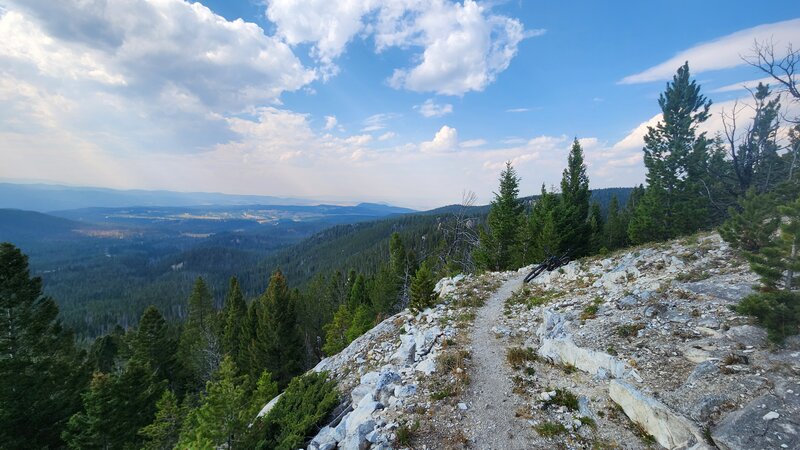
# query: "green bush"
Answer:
x=550 y=429
x=778 y=312
x=305 y=403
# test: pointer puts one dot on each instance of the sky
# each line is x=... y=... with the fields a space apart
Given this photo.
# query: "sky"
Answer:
x=409 y=102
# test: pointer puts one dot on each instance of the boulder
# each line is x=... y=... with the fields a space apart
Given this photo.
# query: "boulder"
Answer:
x=747 y=335
x=669 y=429
x=424 y=340
x=597 y=363
x=427 y=365
x=405 y=391
x=360 y=392
x=769 y=421
x=404 y=355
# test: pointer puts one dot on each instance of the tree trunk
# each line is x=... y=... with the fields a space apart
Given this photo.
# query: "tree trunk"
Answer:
x=790 y=272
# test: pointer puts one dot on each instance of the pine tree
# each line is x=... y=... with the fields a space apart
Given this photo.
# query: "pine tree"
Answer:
x=597 y=240
x=162 y=433
x=41 y=371
x=777 y=306
x=499 y=245
x=423 y=295
x=104 y=355
x=115 y=408
x=752 y=223
x=336 y=331
x=539 y=236
x=199 y=349
x=265 y=390
x=573 y=209
x=235 y=323
x=223 y=414
x=151 y=345
x=278 y=346
x=616 y=227
x=675 y=156
x=777 y=262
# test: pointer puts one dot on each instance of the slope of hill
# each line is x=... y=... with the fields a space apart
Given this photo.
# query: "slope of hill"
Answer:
x=365 y=245
x=17 y=224
x=632 y=350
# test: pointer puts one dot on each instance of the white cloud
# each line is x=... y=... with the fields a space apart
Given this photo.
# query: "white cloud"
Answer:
x=744 y=85
x=518 y=110
x=377 y=122
x=722 y=53
x=386 y=136
x=330 y=122
x=444 y=140
x=464 y=46
x=431 y=109
x=143 y=75
x=472 y=143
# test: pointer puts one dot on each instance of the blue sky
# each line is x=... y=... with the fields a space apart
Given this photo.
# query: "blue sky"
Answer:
x=407 y=101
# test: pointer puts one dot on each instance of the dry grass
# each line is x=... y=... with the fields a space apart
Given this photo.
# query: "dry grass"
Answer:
x=518 y=357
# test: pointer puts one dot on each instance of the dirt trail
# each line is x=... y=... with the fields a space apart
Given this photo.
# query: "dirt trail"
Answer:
x=490 y=423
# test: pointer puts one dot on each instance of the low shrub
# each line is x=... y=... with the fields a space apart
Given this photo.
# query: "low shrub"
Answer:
x=518 y=356
x=564 y=398
x=778 y=312
x=305 y=403
x=550 y=429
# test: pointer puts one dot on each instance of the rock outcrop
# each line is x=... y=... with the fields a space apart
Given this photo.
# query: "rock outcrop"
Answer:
x=625 y=351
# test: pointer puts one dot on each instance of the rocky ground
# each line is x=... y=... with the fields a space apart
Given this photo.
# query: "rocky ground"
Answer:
x=636 y=350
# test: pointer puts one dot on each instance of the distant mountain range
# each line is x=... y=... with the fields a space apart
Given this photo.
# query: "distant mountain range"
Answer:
x=53 y=197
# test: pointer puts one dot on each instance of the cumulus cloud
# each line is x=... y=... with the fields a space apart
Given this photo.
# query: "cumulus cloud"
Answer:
x=386 y=136
x=722 y=53
x=144 y=74
x=432 y=109
x=464 y=46
x=445 y=139
x=330 y=122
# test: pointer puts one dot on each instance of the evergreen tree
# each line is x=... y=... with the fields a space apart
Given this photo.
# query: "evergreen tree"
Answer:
x=235 y=323
x=777 y=306
x=777 y=262
x=105 y=351
x=162 y=433
x=539 y=236
x=41 y=371
x=265 y=390
x=115 y=408
x=402 y=266
x=675 y=156
x=199 y=349
x=616 y=227
x=597 y=240
x=573 y=210
x=751 y=225
x=358 y=293
x=499 y=245
x=223 y=415
x=278 y=339
x=336 y=331
x=151 y=345
x=423 y=295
